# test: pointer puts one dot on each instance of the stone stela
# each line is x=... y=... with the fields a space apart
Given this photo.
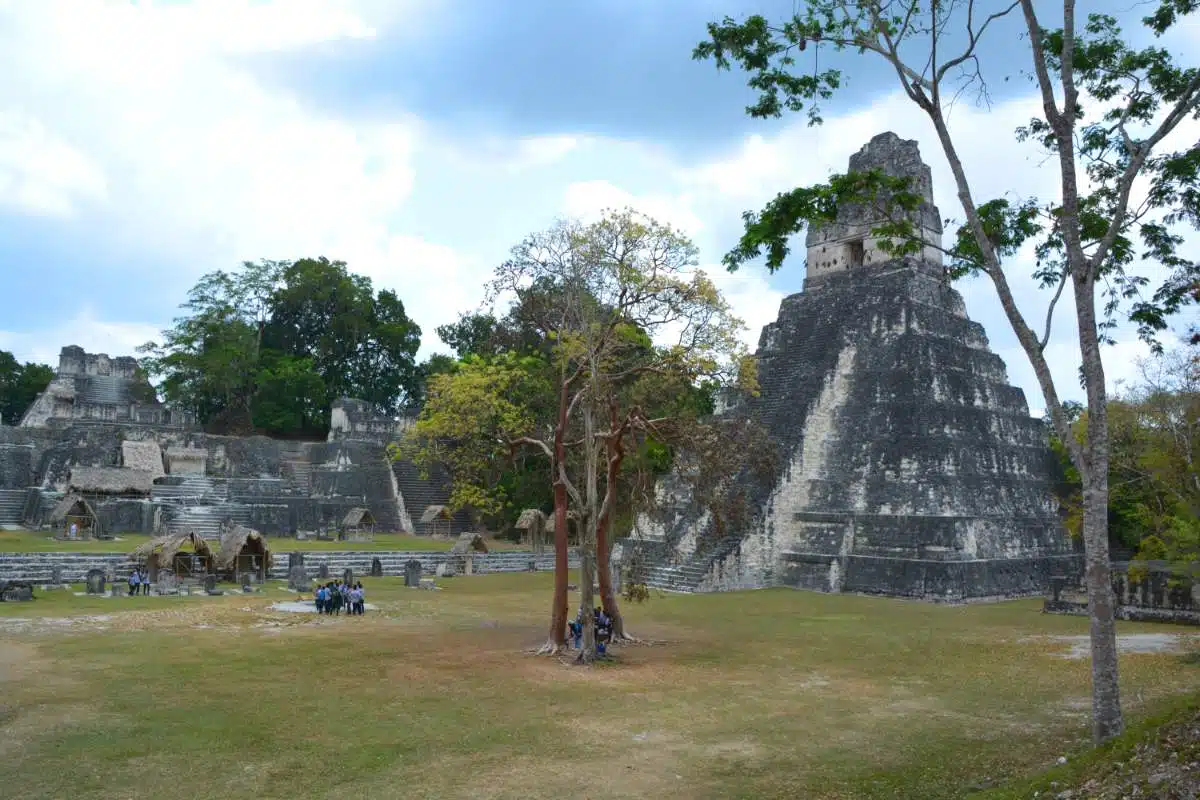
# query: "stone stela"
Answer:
x=909 y=465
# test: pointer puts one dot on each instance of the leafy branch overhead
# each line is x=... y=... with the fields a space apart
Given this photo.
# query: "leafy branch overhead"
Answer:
x=1126 y=101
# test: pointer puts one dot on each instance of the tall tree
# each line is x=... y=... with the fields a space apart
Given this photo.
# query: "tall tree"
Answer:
x=621 y=305
x=1107 y=108
x=20 y=384
x=269 y=347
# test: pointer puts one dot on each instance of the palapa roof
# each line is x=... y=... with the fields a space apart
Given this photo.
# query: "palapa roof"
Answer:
x=234 y=540
x=434 y=512
x=110 y=480
x=165 y=548
x=529 y=518
x=64 y=507
x=467 y=542
x=358 y=516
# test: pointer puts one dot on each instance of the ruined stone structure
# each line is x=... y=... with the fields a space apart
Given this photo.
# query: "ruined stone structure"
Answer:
x=98 y=431
x=908 y=464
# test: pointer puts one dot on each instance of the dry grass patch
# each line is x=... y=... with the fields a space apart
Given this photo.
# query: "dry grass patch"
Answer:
x=758 y=694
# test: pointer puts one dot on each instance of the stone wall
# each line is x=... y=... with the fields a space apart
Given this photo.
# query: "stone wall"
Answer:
x=38 y=567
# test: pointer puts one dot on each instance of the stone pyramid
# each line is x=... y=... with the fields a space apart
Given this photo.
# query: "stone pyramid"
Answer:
x=908 y=464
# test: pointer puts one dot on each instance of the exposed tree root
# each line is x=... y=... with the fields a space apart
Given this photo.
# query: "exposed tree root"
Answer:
x=550 y=648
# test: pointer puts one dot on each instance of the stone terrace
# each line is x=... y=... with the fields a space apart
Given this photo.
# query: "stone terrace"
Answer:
x=38 y=567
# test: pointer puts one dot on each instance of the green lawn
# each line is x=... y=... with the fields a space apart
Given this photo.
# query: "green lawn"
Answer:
x=756 y=694
x=43 y=542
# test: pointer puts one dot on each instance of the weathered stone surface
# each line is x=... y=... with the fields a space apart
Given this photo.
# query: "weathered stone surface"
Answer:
x=323 y=571
x=412 y=573
x=210 y=584
x=446 y=570
x=376 y=568
x=95 y=581
x=16 y=592
x=908 y=464
x=298 y=580
x=347 y=575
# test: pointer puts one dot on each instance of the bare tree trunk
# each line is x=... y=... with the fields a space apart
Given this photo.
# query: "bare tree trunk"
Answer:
x=608 y=598
x=557 y=640
x=587 y=540
x=1107 y=721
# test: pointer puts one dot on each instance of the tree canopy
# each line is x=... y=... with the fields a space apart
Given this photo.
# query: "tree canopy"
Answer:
x=269 y=347
x=20 y=384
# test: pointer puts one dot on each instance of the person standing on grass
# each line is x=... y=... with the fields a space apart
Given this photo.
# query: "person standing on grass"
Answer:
x=359 y=595
x=133 y=582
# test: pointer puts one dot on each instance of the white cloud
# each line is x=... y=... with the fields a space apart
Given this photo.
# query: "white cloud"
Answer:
x=588 y=199
x=87 y=329
x=40 y=173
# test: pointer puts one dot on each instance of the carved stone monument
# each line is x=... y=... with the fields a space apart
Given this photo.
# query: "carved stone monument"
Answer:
x=323 y=571
x=348 y=576
x=412 y=572
x=210 y=585
x=95 y=581
x=16 y=592
x=376 y=568
x=908 y=464
x=56 y=576
x=298 y=580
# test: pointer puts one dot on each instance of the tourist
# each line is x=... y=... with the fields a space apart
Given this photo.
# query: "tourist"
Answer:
x=603 y=631
x=577 y=630
x=360 y=599
x=319 y=599
x=134 y=582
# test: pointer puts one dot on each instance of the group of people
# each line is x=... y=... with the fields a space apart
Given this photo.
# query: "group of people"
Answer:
x=603 y=624
x=336 y=595
x=139 y=582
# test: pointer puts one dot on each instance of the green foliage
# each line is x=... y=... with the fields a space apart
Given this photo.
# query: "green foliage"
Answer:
x=20 y=384
x=470 y=421
x=270 y=347
x=1135 y=97
x=1154 y=491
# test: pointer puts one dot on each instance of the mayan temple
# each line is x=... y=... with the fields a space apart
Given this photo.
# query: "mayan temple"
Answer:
x=909 y=466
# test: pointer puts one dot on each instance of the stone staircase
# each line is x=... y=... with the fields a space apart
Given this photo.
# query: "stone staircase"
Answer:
x=38 y=567
x=206 y=520
x=12 y=507
x=420 y=493
x=193 y=487
x=663 y=571
x=101 y=389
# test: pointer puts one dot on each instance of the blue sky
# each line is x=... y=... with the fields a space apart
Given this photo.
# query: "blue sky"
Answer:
x=143 y=144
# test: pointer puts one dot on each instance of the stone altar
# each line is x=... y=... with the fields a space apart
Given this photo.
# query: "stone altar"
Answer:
x=909 y=465
x=94 y=581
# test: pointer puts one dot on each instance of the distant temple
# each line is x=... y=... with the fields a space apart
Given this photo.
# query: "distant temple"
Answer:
x=99 y=437
x=910 y=466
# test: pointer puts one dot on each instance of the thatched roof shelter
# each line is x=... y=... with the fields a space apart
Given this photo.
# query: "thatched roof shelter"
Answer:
x=110 y=480
x=74 y=510
x=71 y=506
x=434 y=513
x=358 y=518
x=533 y=522
x=468 y=542
x=531 y=519
x=241 y=541
x=243 y=550
x=165 y=552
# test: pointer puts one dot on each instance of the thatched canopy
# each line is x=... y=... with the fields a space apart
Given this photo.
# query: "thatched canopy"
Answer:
x=161 y=551
x=241 y=541
x=71 y=506
x=357 y=517
x=468 y=542
x=110 y=480
x=531 y=519
x=434 y=512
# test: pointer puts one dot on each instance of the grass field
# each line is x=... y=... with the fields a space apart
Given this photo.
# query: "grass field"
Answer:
x=757 y=694
x=43 y=542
